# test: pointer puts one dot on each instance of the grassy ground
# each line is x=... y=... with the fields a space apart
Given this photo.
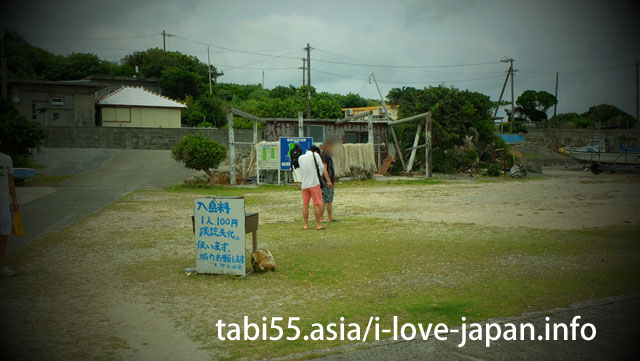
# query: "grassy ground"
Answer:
x=41 y=180
x=421 y=271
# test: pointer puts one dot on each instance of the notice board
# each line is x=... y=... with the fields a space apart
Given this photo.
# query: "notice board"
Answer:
x=220 y=235
x=286 y=144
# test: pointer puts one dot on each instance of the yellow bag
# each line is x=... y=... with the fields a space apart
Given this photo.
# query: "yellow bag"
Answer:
x=18 y=230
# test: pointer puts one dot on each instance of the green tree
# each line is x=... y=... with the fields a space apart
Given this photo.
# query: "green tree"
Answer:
x=608 y=116
x=455 y=113
x=80 y=65
x=152 y=62
x=199 y=153
x=533 y=105
x=177 y=83
x=353 y=101
x=18 y=136
x=325 y=109
x=282 y=92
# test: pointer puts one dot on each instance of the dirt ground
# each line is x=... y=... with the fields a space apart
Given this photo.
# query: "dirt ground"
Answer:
x=78 y=295
x=561 y=200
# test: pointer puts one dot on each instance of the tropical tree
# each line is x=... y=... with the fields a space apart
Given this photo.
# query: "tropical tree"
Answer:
x=533 y=105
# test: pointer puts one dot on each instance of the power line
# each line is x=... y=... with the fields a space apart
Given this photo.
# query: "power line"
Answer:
x=124 y=37
x=408 y=81
x=245 y=66
x=259 y=52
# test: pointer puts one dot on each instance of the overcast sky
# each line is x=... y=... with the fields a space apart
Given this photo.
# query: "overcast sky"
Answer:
x=592 y=44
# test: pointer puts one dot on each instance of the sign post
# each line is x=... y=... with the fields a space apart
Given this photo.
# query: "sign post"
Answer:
x=220 y=235
x=286 y=144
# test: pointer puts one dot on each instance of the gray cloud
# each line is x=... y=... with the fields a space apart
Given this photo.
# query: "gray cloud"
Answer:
x=592 y=44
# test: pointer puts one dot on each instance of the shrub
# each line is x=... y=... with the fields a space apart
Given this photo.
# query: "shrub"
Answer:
x=205 y=125
x=18 y=135
x=494 y=170
x=200 y=153
x=452 y=161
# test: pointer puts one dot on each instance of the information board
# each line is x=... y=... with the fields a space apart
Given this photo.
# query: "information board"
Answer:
x=286 y=144
x=220 y=235
x=268 y=155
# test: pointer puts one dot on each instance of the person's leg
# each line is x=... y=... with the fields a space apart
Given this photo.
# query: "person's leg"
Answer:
x=327 y=199
x=329 y=207
x=305 y=215
x=306 y=195
x=317 y=209
x=322 y=213
x=3 y=248
x=316 y=194
x=5 y=230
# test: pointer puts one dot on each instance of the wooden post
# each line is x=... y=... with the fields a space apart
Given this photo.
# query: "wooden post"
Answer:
x=300 y=125
x=504 y=85
x=244 y=169
x=398 y=149
x=232 y=150
x=3 y=69
x=554 y=105
x=370 y=136
x=412 y=157
x=427 y=139
x=513 y=115
x=309 y=79
x=637 y=107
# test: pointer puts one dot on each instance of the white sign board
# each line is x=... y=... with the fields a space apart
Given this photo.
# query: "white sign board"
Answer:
x=220 y=235
x=268 y=155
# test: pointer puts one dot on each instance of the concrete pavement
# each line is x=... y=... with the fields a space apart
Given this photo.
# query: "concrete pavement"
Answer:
x=105 y=175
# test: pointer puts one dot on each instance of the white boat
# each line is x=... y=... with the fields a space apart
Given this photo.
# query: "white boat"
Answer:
x=624 y=157
x=600 y=151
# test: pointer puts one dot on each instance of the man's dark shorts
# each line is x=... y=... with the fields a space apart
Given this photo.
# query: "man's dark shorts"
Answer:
x=327 y=195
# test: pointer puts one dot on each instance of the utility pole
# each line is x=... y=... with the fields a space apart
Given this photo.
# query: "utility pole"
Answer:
x=386 y=116
x=165 y=35
x=304 y=69
x=556 y=103
x=513 y=114
x=263 y=79
x=637 y=107
x=504 y=85
x=3 y=68
x=511 y=71
x=209 y=64
x=512 y=118
x=308 y=49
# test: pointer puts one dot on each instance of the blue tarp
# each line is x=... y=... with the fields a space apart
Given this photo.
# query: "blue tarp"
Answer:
x=512 y=138
x=628 y=148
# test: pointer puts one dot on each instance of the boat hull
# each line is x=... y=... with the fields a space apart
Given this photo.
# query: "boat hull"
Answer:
x=628 y=158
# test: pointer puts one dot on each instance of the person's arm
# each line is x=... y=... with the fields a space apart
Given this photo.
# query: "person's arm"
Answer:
x=12 y=191
x=319 y=163
x=325 y=174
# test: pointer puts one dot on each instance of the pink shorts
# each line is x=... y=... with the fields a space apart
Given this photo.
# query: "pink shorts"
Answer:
x=313 y=192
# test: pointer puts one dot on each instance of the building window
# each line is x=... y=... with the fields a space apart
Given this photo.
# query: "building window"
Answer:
x=356 y=137
x=56 y=102
x=34 y=111
x=315 y=131
x=55 y=116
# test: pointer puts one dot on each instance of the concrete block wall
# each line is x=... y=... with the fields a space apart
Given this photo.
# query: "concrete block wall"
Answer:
x=138 y=138
x=556 y=138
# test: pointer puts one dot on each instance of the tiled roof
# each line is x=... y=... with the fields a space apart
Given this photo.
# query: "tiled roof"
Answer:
x=138 y=96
